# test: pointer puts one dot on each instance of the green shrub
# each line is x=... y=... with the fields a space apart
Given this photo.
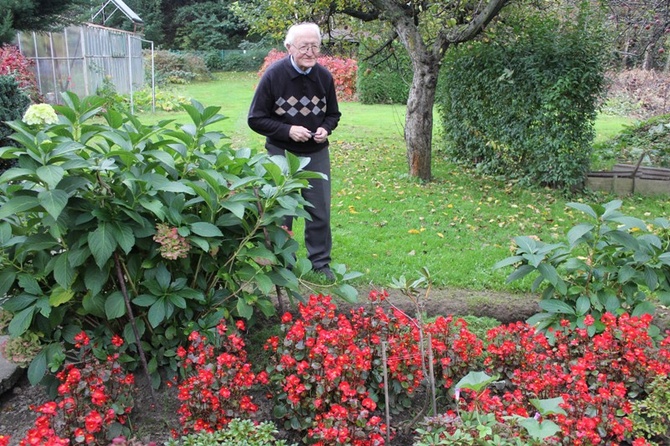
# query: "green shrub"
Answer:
x=249 y=60
x=384 y=78
x=238 y=433
x=173 y=67
x=13 y=103
x=142 y=231
x=612 y=263
x=651 y=416
x=524 y=108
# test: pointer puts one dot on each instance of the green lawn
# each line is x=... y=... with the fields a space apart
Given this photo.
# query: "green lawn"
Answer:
x=386 y=224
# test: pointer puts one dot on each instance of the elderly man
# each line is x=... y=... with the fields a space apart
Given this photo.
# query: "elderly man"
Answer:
x=295 y=108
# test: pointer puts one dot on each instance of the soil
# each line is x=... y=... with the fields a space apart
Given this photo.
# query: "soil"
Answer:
x=152 y=422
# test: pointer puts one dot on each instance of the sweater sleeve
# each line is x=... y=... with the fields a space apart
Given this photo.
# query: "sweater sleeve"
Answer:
x=333 y=111
x=260 y=118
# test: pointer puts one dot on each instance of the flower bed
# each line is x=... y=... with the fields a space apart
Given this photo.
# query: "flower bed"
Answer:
x=334 y=377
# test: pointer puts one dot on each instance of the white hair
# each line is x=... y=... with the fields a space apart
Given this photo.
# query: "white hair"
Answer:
x=301 y=28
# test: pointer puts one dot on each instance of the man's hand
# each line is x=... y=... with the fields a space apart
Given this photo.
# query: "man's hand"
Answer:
x=299 y=133
x=320 y=135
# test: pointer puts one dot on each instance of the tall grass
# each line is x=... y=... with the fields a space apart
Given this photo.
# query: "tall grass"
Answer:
x=388 y=225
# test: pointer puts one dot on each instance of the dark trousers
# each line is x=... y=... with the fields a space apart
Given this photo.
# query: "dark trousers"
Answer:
x=318 y=236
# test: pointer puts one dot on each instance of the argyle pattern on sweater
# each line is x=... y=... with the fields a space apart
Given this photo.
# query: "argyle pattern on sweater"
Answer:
x=304 y=106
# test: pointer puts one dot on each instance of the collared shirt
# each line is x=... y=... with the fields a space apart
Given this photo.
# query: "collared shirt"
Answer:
x=297 y=68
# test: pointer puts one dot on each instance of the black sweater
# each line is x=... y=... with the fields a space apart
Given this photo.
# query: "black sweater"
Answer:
x=285 y=97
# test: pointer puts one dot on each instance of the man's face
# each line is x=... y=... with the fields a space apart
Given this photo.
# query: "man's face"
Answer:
x=304 y=49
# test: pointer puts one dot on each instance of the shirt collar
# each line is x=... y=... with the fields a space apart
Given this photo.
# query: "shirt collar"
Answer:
x=298 y=68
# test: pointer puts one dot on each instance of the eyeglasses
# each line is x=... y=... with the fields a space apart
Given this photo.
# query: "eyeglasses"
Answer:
x=305 y=49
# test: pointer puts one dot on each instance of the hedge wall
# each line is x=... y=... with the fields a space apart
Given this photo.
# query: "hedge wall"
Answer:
x=525 y=108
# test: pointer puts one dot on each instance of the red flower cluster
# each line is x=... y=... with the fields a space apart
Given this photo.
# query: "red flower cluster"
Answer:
x=217 y=380
x=595 y=376
x=329 y=366
x=92 y=398
x=344 y=72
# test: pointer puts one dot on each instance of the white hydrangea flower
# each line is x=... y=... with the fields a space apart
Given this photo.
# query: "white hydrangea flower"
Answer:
x=40 y=114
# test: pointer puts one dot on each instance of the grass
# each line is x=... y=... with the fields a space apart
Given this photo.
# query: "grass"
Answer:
x=387 y=225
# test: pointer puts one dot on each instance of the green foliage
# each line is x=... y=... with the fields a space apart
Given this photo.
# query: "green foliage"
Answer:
x=524 y=108
x=37 y=15
x=171 y=67
x=651 y=416
x=13 y=103
x=209 y=25
x=102 y=218
x=237 y=433
x=385 y=77
x=612 y=263
x=480 y=428
x=649 y=140
x=250 y=60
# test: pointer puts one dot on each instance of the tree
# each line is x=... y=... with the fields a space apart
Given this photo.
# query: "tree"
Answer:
x=208 y=26
x=641 y=29
x=36 y=15
x=426 y=29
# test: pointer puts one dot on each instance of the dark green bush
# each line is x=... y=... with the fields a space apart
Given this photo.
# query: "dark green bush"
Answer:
x=524 y=109
x=172 y=67
x=384 y=78
x=250 y=60
x=13 y=103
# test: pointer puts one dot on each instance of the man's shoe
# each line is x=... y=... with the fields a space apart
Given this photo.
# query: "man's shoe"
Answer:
x=326 y=272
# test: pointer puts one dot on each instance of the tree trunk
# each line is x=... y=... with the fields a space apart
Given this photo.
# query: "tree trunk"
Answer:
x=419 y=119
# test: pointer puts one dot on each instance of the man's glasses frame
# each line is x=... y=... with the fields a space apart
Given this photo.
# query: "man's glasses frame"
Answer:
x=316 y=49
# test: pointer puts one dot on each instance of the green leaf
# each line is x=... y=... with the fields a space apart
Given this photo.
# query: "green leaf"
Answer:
x=60 y=295
x=154 y=206
x=53 y=201
x=37 y=368
x=115 y=305
x=520 y=273
x=157 y=313
x=102 y=244
x=94 y=304
x=18 y=204
x=556 y=306
x=7 y=278
x=645 y=307
x=51 y=175
x=21 y=321
x=549 y=273
x=123 y=235
x=588 y=210
x=550 y=406
x=347 y=292
x=244 y=309
x=537 y=430
x=29 y=284
x=583 y=305
x=264 y=283
x=177 y=300
x=508 y=261
x=94 y=279
x=145 y=300
x=63 y=272
x=205 y=229
x=235 y=207
x=476 y=381
x=578 y=231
